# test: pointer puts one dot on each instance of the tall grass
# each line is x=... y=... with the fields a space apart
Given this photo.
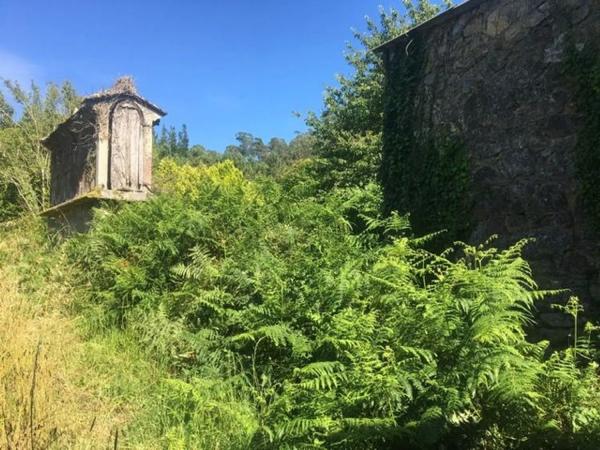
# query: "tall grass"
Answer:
x=66 y=382
x=42 y=402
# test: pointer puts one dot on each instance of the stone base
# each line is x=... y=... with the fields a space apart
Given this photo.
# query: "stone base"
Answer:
x=74 y=216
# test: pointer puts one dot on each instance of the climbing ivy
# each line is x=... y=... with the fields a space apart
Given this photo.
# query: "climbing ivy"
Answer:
x=439 y=187
x=583 y=68
x=423 y=173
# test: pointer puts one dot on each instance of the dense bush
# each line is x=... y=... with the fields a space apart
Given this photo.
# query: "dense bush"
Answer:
x=290 y=321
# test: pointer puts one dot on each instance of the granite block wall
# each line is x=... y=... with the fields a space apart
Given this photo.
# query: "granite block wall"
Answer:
x=493 y=74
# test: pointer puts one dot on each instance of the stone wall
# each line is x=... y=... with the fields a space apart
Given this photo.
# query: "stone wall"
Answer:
x=493 y=74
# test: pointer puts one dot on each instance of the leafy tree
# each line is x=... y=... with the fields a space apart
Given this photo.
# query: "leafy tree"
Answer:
x=24 y=161
x=200 y=155
x=256 y=158
x=6 y=113
x=160 y=142
x=348 y=131
x=250 y=153
x=301 y=147
x=183 y=140
x=172 y=143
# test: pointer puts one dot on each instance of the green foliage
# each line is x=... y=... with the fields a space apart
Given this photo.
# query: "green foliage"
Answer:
x=441 y=181
x=348 y=133
x=280 y=309
x=583 y=67
x=250 y=154
x=427 y=176
x=24 y=161
x=171 y=143
x=200 y=413
x=256 y=158
x=316 y=323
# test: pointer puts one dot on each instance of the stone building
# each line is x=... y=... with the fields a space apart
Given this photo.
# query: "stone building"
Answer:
x=492 y=72
x=103 y=151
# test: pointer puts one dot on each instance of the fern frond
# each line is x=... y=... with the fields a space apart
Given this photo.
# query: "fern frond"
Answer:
x=323 y=375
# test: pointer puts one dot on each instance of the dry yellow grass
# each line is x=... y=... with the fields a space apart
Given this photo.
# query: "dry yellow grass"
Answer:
x=43 y=403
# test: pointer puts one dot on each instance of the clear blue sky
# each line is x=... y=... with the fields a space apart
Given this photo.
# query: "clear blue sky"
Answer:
x=218 y=66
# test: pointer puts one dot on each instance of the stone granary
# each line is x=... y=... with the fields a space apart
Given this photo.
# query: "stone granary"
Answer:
x=492 y=74
x=103 y=151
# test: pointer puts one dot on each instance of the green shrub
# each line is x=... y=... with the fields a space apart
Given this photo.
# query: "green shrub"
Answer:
x=328 y=325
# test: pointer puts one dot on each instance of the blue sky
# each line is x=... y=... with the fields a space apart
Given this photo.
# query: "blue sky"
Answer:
x=218 y=66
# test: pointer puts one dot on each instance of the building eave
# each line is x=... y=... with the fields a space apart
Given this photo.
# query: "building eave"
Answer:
x=60 y=127
x=435 y=21
x=97 y=98
x=101 y=96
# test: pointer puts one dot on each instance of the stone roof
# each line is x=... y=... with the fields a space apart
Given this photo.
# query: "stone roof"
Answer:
x=124 y=87
x=442 y=17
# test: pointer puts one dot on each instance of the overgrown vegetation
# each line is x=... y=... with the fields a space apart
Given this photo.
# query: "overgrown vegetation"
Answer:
x=45 y=398
x=328 y=325
x=348 y=134
x=24 y=162
x=250 y=153
x=271 y=297
x=229 y=313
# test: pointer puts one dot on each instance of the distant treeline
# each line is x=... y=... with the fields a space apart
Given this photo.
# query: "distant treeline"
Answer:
x=250 y=153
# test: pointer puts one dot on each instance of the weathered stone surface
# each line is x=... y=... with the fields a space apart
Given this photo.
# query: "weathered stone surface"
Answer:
x=580 y=14
x=499 y=83
x=496 y=23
